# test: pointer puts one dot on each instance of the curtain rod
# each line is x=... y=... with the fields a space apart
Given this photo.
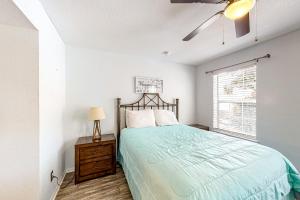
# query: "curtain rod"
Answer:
x=254 y=59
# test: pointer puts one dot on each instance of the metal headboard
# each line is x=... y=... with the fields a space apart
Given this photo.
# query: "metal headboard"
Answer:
x=148 y=100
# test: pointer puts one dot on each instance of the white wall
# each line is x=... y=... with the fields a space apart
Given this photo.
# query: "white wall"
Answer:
x=51 y=95
x=278 y=93
x=98 y=78
x=11 y=15
x=19 y=113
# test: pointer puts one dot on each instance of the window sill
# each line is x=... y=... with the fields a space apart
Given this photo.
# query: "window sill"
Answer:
x=236 y=135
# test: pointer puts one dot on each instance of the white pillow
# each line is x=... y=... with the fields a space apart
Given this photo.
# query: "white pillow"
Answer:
x=165 y=117
x=140 y=119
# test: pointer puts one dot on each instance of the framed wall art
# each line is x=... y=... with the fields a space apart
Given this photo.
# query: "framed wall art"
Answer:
x=148 y=85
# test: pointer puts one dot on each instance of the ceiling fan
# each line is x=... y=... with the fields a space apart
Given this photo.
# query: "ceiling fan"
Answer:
x=236 y=10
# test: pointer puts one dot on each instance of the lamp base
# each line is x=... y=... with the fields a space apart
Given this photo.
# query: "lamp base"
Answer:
x=96 y=131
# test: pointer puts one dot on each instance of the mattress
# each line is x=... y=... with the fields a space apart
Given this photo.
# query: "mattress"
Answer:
x=185 y=163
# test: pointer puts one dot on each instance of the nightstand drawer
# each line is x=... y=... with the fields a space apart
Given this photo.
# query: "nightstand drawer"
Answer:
x=95 y=151
x=95 y=167
x=95 y=159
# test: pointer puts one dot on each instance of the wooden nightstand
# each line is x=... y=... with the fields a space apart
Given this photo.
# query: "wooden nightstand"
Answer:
x=200 y=126
x=94 y=159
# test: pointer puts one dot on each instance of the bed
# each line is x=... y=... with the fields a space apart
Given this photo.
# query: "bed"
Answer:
x=186 y=163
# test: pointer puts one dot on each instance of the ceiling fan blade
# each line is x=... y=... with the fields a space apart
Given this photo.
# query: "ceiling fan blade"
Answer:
x=203 y=26
x=242 y=26
x=198 y=1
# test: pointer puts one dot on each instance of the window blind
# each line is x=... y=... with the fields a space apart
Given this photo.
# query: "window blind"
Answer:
x=235 y=101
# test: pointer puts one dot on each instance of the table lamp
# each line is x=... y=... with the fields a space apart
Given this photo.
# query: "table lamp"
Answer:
x=96 y=114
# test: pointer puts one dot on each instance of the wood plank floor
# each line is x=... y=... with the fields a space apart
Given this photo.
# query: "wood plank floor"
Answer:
x=113 y=187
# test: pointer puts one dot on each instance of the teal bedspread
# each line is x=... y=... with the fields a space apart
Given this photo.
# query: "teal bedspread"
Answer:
x=181 y=162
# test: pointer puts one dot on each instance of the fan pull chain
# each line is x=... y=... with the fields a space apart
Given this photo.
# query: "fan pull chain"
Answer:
x=223 y=32
x=256 y=37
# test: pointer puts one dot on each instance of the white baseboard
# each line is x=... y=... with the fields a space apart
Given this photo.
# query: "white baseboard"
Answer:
x=53 y=196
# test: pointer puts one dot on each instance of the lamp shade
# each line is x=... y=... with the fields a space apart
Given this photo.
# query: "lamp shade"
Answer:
x=96 y=113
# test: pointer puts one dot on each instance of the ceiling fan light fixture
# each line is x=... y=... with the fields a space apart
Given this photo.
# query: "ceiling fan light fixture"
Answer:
x=238 y=8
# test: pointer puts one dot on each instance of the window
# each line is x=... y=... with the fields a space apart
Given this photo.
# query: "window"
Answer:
x=235 y=102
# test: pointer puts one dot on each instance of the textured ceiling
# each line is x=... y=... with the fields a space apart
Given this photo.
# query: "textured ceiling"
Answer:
x=149 y=27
